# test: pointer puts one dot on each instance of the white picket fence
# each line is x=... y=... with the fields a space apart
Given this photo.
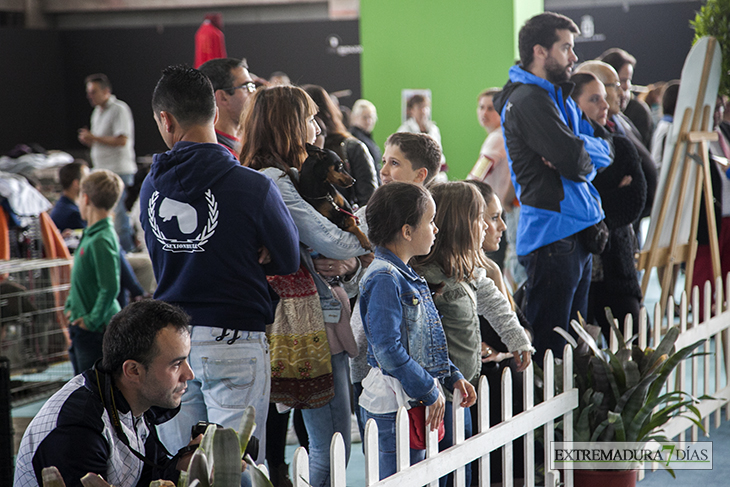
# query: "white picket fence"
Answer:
x=463 y=452
x=711 y=323
x=714 y=326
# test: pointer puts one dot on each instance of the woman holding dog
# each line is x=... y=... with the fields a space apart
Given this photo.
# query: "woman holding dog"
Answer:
x=358 y=161
x=278 y=122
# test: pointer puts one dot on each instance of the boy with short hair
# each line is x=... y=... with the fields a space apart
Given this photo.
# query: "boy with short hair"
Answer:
x=65 y=213
x=92 y=300
x=410 y=158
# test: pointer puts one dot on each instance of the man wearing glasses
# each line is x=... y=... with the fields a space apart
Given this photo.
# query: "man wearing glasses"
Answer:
x=232 y=84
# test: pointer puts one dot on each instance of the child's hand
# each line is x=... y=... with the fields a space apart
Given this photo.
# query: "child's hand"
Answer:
x=523 y=360
x=80 y=323
x=264 y=255
x=333 y=267
x=489 y=354
x=467 y=391
x=625 y=181
x=435 y=412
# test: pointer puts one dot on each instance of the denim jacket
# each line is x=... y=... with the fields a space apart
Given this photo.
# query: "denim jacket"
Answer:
x=405 y=336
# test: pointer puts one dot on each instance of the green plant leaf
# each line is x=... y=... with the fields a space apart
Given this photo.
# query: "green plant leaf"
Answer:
x=588 y=340
x=599 y=430
x=633 y=376
x=182 y=481
x=258 y=477
x=603 y=379
x=227 y=466
x=566 y=336
x=198 y=468
x=665 y=346
x=246 y=427
x=647 y=420
x=581 y=430
x=618 y=425
x=618 y=371
x=206 y=444
x=612 y=322
x=668 y=366
x=713 y=19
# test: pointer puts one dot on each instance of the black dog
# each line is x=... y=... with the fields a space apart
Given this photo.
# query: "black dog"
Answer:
x=320 y=172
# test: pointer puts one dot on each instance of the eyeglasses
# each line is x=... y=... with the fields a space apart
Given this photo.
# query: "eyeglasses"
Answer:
x=249 y=86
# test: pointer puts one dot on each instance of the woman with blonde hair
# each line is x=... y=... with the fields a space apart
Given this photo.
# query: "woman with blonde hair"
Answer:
x=278 y=125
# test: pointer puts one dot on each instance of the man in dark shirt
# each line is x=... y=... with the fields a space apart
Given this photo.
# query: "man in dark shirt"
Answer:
x=104 y=421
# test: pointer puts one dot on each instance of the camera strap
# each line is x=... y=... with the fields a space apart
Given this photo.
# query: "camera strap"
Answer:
x=117 y=424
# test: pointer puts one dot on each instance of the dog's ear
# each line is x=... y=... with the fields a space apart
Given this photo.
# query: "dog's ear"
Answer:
x=314 y=151
x=314 y=155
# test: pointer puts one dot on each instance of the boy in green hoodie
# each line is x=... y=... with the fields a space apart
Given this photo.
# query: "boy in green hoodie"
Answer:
x=92 y=300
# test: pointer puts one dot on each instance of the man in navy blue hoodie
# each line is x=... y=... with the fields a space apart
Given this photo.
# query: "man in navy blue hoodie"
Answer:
x=553 y=156
x=214 y=230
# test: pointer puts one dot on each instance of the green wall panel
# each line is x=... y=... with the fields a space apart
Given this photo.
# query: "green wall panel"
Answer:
x=454 y=48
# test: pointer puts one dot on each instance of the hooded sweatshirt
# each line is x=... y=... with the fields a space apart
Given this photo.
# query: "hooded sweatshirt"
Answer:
x=541 y=121
x=205 y=218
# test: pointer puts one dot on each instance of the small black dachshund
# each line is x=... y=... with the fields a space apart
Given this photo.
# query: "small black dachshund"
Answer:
x=320 y=172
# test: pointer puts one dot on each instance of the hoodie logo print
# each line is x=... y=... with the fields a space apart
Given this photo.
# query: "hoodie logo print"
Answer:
x=187 y=220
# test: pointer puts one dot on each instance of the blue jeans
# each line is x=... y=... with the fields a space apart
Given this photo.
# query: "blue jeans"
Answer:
x=85 y=348
x=448 y=441
x=228 y=377
x=129 y=285
x=386 y=443
x=323 y=422
x=558 y=280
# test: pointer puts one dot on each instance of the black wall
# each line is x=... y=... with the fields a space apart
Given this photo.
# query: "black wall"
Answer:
x=42 y=83
x=32 y=91
x=658 y=35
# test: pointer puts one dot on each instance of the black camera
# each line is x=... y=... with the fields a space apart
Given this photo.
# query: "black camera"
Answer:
x=251 y=449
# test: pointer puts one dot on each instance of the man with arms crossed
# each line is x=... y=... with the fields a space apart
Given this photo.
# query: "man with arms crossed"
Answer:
x=553 y=157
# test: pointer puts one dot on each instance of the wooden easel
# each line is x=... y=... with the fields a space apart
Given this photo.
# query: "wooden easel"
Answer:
x=692 y=142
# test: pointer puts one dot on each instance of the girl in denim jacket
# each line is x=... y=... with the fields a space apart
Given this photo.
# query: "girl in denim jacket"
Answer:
x=406 y=343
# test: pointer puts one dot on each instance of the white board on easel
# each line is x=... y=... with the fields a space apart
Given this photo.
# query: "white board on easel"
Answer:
x=695 y=79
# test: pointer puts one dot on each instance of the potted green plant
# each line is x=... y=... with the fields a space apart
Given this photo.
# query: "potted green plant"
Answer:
x=713 y=19
x=621 y=397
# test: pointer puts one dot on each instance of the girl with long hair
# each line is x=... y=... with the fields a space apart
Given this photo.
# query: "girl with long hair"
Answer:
x=455 y=267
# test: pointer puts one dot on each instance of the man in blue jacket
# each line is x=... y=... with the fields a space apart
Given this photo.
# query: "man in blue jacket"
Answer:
x=553 y=156
x=214 y=230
